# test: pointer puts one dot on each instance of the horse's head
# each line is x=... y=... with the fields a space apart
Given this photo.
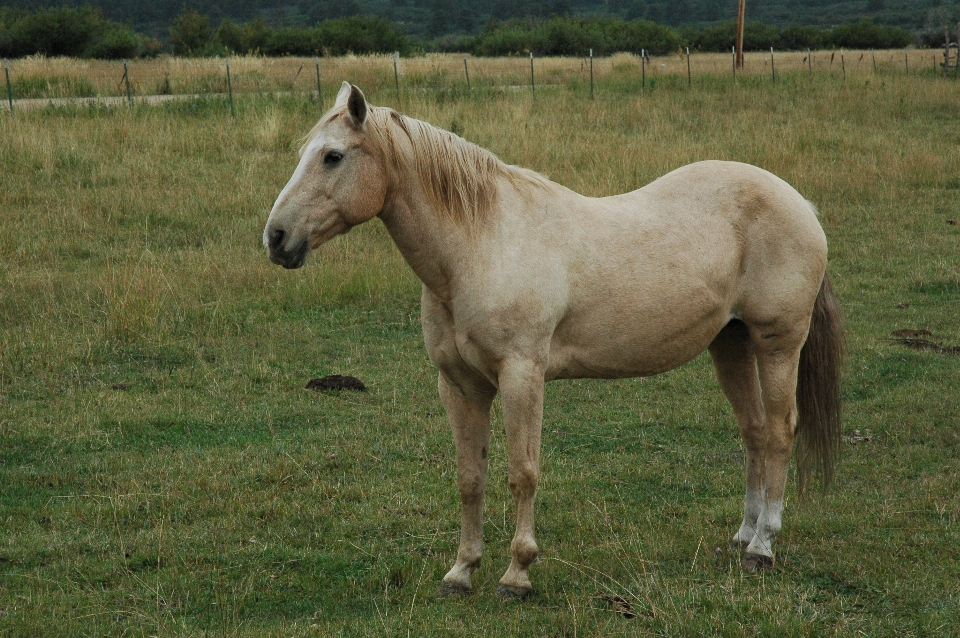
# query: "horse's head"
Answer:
x=340 y=182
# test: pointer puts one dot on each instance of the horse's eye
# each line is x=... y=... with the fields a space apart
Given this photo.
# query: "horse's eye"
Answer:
x=332 y=157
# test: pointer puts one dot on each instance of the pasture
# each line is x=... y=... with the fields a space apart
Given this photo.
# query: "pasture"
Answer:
x=164 y=471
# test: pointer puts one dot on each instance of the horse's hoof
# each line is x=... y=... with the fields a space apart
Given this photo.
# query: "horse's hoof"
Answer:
x=454 y=589
x=508 y=593
x=756 y=562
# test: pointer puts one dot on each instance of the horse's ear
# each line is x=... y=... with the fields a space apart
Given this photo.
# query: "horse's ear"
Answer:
x=343 y=95
x=357 y=106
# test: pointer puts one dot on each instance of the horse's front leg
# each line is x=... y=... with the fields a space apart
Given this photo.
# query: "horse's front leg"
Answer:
x=521 y=390
x=468 y=409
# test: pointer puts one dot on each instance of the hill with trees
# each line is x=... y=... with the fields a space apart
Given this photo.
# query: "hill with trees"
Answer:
x=432 y=19
x=124 y=28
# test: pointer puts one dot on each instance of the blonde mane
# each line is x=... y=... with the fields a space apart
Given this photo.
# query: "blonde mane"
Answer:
x=458 y=177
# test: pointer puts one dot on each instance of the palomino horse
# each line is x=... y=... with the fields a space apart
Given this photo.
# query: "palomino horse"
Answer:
x=525 y=281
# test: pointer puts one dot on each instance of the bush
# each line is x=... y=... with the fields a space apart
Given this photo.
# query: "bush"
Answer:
x=800 y=38
x=867 y=35
x=292 y=42
x=67 y=32
x=115 y=43
x=757 y=36
x=190 y=32
x=642 y=35
x=359 y=34
x=574 y=36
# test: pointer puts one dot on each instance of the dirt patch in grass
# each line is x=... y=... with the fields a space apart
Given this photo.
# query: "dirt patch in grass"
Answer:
x=923 y=340
x=336 y=382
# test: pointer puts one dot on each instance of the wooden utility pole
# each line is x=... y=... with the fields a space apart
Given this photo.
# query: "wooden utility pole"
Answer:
x=740 y=11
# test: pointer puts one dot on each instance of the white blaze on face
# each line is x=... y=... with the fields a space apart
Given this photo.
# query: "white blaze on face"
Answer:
x=294 y=184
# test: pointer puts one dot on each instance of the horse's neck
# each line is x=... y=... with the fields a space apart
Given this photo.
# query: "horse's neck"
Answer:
x=433 y=247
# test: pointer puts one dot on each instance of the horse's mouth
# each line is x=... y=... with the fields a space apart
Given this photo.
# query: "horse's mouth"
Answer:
x=291 y=259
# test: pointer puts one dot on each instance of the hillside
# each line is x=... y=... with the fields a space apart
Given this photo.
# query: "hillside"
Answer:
x=431 y=19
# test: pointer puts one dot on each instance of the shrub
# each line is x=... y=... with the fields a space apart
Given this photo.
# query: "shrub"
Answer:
x=190 y=32
x=66 y=31
x=230 y=37
x=114 y=43
x=574 y=36
x=867 y=35
x=360 y=34
x=800 y=38
x=637 y=35
x=292 y=42
x=757 y=36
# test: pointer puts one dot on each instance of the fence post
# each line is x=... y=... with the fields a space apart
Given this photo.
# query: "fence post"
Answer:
x=809 y=63
x=873 y=54
x=533 y=85
x=6 y=70
x=956 y=64
x=591 y=72
x=733 y=54
x=230 y=89
x=126 y=78
x=466 y=71
x=773 y=70
x=843 y=66
x=689 y=76
x=316 y=61
x=396 y=72
x=643 y=70
x=906 y=64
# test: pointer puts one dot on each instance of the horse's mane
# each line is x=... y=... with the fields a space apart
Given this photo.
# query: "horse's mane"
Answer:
x=459 y=177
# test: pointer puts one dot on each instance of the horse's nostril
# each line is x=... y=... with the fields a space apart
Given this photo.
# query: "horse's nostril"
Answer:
x=276 y=238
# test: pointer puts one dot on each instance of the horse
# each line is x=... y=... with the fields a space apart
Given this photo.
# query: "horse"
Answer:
x=526 y=281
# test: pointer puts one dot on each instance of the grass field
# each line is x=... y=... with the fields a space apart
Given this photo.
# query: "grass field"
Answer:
x=40 y=77
x=163 y=471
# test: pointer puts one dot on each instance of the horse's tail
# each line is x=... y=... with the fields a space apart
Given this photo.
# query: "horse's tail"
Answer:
x=818 y=390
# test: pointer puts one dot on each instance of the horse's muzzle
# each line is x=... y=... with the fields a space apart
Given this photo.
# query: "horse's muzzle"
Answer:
x=286 y=258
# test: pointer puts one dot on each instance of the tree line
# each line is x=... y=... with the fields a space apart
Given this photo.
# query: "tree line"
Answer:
x=84 y=32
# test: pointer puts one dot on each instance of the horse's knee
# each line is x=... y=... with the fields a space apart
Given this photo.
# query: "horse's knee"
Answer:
x=523 y=480
x=471 y=487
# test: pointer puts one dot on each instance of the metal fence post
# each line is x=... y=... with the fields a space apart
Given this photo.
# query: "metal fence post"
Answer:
x=319 y=87
x=466 y=71
x=533 y=85
x=689 y=75
x=230 y=89
x=396 y=72
x=126 y=78
x=6 y=70
x=591 y=72
x=643 y=70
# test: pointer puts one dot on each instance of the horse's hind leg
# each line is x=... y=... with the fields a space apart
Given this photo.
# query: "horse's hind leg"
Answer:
x=777 y=364
x=736 y=367
x=468 y=409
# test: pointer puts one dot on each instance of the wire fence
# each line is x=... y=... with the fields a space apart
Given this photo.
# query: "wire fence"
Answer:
x=38 y=81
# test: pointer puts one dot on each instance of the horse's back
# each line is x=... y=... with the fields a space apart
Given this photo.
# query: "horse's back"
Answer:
x=673 y=262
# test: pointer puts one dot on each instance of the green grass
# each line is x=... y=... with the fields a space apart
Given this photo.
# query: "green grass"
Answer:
x=163 y=471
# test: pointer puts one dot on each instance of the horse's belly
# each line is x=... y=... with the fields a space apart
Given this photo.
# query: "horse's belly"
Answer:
x=631 y=346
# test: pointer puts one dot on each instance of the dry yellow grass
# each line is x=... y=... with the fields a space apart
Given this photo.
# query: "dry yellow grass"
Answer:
x=41 y=77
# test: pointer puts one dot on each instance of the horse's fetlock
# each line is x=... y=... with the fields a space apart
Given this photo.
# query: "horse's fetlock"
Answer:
x=524 y=551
